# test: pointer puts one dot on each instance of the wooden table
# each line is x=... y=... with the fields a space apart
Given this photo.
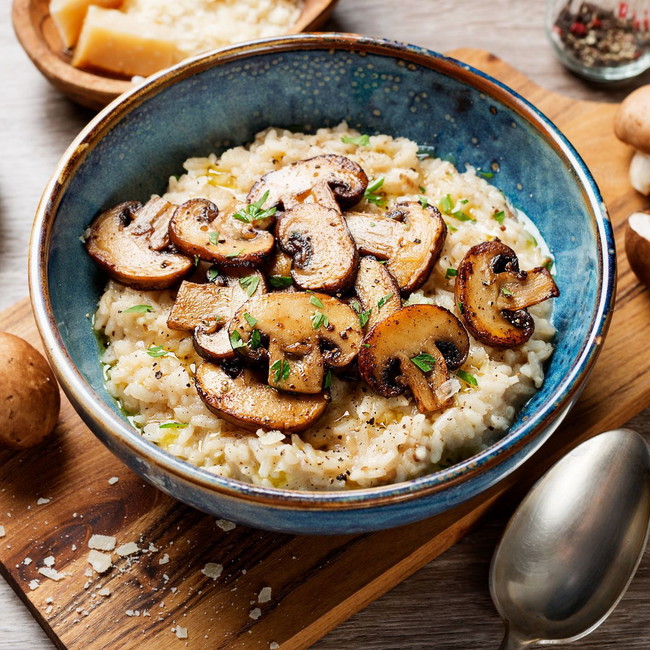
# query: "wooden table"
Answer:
x=447 y=604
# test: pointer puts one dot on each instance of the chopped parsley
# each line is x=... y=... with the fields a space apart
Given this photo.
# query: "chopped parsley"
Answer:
x=254 y=211
x=506 y=292
x=328 y=379
x=255 y=340
x=499 y=216
x=212 y=274
x=371 y=194
x=197 y=259
x=446 y=205
x=452 y=228
x=282 y=370
x=548 y=265
x=424 y=202
x=250 y=320
x=356 y=305
x=462 y=216
x=485 y=174
x=361 y=141
x=236 y=254
x=467 y=378
x=250 y=283
x=384 y=299
x=317 y=302
x=138 y=309
x=236 y=340
x=365 y=345
x=451 y=273
x=319 y=319
x=424 y=362
x=532 y=239
x=173 y=425
x=213 y=237
x=422 y=189
x=364 y=316
x=461 y=308
x=156 y=351
x=280 y=281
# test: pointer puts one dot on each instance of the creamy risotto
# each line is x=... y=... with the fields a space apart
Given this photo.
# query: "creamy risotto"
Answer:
x=363 y=439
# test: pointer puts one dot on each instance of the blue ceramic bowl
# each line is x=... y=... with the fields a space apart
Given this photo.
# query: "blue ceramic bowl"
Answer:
x=222 y=99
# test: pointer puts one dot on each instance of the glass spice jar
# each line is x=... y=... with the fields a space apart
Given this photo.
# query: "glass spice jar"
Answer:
x=601 y=40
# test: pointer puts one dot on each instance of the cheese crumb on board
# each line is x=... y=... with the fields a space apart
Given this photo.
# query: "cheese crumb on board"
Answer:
x=264 y=595
x=104 y=591
x=50 y=573
x=181 y=632
x=43 y=501
x=164 y=559
x=255 y=613
x=68 y=16
x=274 y=645
x=113 y=480
x=212 y=570
x=102 y=542
x=226 y=525
x=116 y=42
x=49 y=561
x=127 y=549
x=34 y=584
x=101 y=562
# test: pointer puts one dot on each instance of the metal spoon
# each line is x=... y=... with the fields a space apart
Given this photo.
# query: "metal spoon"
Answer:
x=571 y=548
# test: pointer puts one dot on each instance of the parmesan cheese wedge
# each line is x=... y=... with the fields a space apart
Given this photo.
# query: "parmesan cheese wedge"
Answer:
x=115 y=42
x=68 y=16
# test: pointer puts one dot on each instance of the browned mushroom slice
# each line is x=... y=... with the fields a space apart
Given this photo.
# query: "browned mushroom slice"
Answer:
x=127 y=241
x=285 y=186
x=198 y=304
x=247 y=401
x=414 y=348
x=197 y=228
x=304 y=334
x=315 y=235
x=410 y=238
x=377 y=291
x=494 y=293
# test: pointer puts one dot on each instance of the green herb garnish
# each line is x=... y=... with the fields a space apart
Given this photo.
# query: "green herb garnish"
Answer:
x=173 y=425
x=446 y=205
x=236 y=340
x=452 y=228
x=499 y=216
x=250 y=283
x=462 y=216
x=255 y=340
x=254 y=211
x=156 y=351
x=213 y=237
x=250 y=320
x=319 y=319
x=461 y=308
x=237 y=254
x=451 y=273
x=548 y=265
x=532 y=239
x=280 y=281
x=317 y=302
x=424 y=202
x=362 y=140
x=424 y=362
x=371 y=195
x=328 y=379
x=212 y=274
x=364 y=316
x=197 y=259
x=506 y=292
x=384 y=299
x=138 y=309
x=282 y=370
x=467 y=378
x=365 y=345
x=485 y=174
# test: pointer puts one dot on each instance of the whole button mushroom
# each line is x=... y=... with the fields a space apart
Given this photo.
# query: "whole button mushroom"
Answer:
x=632 y=126
x=300 y=334
x=410 y=238
x=492 y=294
x=131 y=243
x=637 y=245
x=29 y=394
x=414 y=348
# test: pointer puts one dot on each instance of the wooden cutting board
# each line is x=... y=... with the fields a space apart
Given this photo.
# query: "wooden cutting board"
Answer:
x=53 y=498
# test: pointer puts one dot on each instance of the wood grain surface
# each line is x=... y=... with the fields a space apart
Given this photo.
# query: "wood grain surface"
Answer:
x=446 y=605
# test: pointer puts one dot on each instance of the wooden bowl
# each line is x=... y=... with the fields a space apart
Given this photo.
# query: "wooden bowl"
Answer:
x=40 y=39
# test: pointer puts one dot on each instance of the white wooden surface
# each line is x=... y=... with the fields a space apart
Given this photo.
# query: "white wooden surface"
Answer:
x=447 y=604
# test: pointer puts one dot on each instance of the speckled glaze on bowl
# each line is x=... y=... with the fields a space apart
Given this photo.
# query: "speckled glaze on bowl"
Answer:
x=219 y=100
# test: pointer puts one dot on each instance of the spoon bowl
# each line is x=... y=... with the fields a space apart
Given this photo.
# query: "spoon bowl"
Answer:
x=571 y=548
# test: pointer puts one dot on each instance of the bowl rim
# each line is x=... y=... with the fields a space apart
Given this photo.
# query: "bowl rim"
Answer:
x=94 y=409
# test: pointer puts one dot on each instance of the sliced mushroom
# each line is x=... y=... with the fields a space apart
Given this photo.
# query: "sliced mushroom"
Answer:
x=304 y=333
x=129 y=243
x=247 y=401
x=377 y=291
x=414 y=348
x=410 y=238
x=315 y=234
x=493 y=294
x=197 y=228
x=205 y=310
x=286 y=186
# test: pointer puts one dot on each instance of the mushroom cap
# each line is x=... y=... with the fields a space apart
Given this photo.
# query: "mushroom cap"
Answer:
x=637 y=245
x=248 y=402
x=346 y=179
x=236 y=243
x=128 y=242
x=386 y=359
x=493 y=294
x=410 y=237
x=375 y=286
x=632 y=119
x=324 y=257
x=305 y=331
